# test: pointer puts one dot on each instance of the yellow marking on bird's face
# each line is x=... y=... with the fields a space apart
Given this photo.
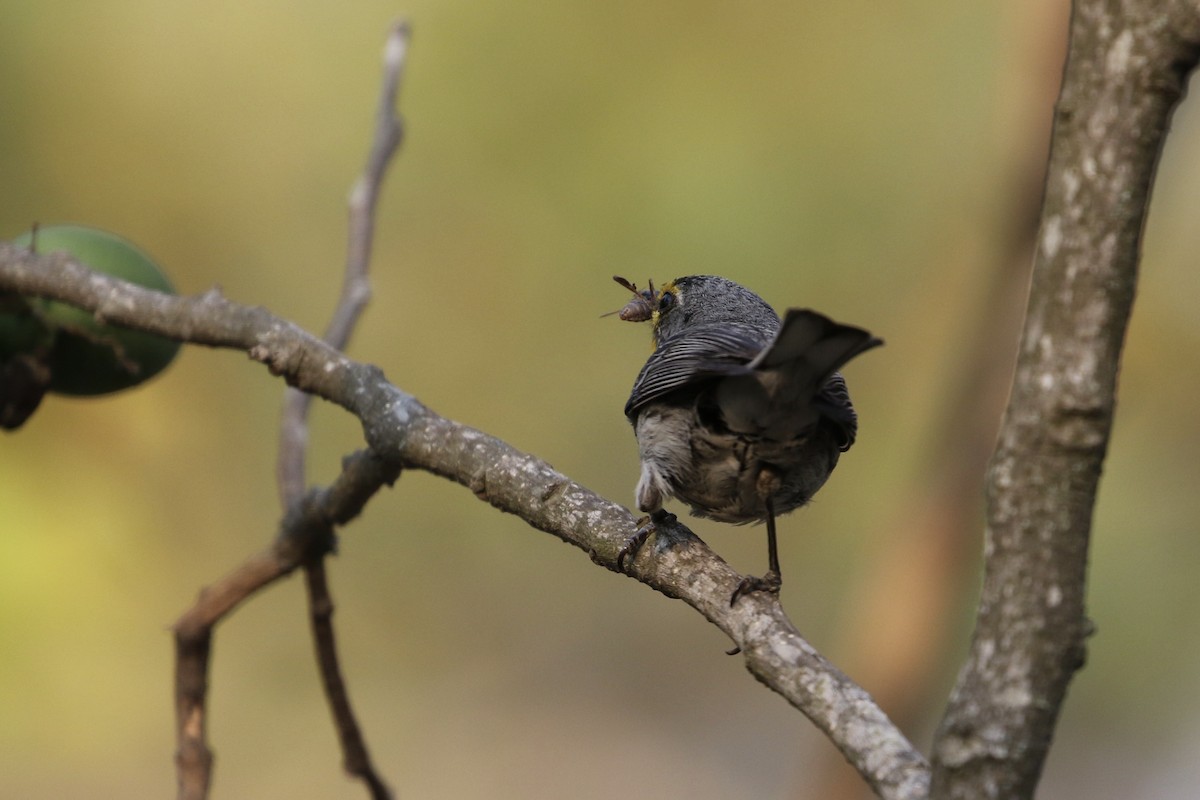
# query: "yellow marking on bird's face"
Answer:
x=667 y=288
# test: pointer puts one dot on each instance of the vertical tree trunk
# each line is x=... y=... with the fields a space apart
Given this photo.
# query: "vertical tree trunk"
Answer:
x=1125 y=73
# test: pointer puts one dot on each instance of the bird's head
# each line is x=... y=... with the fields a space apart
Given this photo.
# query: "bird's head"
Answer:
x=696 y=300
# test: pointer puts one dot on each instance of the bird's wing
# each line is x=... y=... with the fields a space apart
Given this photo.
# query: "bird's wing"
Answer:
x=697 y=355
x=833 y=401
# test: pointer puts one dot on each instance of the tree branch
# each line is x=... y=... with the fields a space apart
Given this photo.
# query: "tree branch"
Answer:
x=356 y=759
x=290 y=471
x=356 y=289
x=404 y=433
x=305 y=534
x=1125 y=73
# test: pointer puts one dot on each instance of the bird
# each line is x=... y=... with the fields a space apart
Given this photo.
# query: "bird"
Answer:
x=739 y=414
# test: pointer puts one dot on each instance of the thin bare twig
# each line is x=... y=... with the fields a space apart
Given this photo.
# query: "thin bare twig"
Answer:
x=305 y=534
x=356 y=288
x=356 y=759
x=356 y=293
x=194 y=630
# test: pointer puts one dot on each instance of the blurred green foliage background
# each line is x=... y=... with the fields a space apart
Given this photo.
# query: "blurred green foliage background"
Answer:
x=855 y=158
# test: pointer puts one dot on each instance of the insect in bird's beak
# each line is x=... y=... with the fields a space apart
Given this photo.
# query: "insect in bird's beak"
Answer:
x=641 y=307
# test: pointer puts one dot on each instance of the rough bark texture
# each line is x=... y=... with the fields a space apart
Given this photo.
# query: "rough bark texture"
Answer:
x=402 y=432
x=1125 y=74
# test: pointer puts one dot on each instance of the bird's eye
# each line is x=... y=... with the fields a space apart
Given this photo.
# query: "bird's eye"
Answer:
x=666 y=301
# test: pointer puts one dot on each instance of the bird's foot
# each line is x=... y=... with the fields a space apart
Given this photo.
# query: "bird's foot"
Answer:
x=770 y=583
x=634 y=543
x=666 y=529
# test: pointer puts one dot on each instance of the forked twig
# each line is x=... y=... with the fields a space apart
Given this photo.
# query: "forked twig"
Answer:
x=356 y=292
x=305 y=534
x=308 y=540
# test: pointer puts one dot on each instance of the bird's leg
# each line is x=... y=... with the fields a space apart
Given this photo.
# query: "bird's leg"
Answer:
x=772 y=549
x=666 y=529
x=772 y=581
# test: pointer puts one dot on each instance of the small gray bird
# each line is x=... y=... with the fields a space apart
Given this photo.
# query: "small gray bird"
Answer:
x=737 y=414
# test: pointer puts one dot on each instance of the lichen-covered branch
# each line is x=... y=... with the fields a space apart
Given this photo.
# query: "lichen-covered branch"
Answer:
x=1126 y=70
x=404 y=433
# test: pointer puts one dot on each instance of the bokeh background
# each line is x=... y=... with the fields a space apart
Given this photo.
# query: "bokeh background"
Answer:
x=879 y=163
